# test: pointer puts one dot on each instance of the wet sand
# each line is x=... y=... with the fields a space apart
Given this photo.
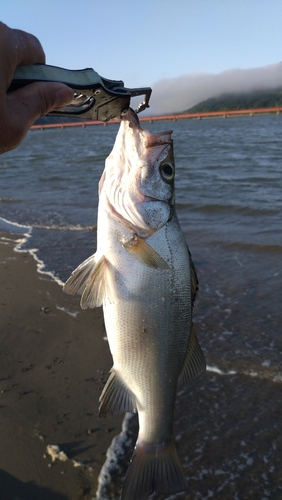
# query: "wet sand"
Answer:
x=52 y=369
x=53 y=365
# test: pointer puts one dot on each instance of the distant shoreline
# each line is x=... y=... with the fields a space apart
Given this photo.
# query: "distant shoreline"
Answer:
x=173 y=117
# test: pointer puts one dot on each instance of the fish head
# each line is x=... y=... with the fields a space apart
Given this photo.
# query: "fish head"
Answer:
x=138 y=179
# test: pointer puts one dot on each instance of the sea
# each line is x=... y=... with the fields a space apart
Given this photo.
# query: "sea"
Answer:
x=229 y=203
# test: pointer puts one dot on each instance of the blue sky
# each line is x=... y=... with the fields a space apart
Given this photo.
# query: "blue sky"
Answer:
x=143 y=42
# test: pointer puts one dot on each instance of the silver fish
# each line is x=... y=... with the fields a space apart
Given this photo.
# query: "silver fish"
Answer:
x=143 y=275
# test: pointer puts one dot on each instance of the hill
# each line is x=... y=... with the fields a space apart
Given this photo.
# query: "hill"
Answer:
x=230 y=102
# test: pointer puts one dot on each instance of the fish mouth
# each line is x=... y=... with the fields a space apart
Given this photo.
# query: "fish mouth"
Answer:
x=154 y=142
x=130 y=116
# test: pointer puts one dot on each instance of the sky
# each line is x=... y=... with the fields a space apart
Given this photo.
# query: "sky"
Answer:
x=174 y=46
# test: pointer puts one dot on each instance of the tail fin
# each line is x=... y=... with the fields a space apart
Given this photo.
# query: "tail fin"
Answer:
x=154 y=468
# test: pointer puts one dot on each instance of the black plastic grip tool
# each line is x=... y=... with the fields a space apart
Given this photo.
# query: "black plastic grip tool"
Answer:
x=95 y=98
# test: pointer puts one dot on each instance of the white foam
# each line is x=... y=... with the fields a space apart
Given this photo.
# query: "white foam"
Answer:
x=55 y=453
x=116 y=461
x=217 y=370
x=13 y=225
x=32 y=251
x=76 y=463
x=40 y=264
x=275 y=377
x=70 y=227
x=67 y=311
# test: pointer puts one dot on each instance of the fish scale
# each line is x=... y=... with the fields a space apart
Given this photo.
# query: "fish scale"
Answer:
x=143 y=275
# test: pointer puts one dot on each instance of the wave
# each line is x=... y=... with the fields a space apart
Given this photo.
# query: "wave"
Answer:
x=67 y=227
x=8 y=225
x=245 y=210
x=10 y=200
x=184 y=206
x=67 y=311
x=117 y=458
x=274 y=376
x=16 y=227
x=26 y=232
x=227 y=209
x=221 y=207
x=217 y=370
x=41 y=266
x=250 y=247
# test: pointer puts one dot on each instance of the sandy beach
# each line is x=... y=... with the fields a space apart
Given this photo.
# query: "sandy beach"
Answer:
x=54 y=363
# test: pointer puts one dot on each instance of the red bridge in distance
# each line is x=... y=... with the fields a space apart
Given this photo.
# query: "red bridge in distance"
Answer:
x=174 y=117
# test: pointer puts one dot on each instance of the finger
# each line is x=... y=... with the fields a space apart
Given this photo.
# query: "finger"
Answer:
x=26 y=105
x=38 y=99
x=30 y=50
x=17 y=48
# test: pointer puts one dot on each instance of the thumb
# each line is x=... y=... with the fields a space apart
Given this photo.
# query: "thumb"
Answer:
x=38 y=99
x=26 y=105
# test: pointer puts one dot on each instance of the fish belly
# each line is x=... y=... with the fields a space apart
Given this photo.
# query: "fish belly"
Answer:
x=148 y=325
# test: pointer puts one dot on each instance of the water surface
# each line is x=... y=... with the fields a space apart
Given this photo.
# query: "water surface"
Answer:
x=228 y=198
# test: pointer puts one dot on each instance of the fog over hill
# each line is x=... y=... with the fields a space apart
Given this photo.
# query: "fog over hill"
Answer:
x=178 y=94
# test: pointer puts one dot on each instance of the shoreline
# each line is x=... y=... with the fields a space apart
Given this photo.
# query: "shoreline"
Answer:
x=54 y=362
x=22 y=233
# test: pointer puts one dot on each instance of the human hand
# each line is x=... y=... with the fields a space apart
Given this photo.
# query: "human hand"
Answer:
x=21 y=108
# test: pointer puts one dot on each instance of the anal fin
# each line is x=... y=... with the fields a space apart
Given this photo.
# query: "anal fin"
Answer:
x=194 y=362
x=116 y=397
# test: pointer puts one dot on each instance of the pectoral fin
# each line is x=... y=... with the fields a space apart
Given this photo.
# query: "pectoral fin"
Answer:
x=144 y=253
x=116 y=397
x=194 y=363
x=76 y=283
x=89 y=280
x=96 y=288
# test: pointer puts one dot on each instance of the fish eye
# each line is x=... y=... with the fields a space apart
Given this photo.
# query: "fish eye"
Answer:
x=167 y=171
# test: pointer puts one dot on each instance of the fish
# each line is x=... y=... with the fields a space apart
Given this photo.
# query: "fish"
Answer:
x=143 y=275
